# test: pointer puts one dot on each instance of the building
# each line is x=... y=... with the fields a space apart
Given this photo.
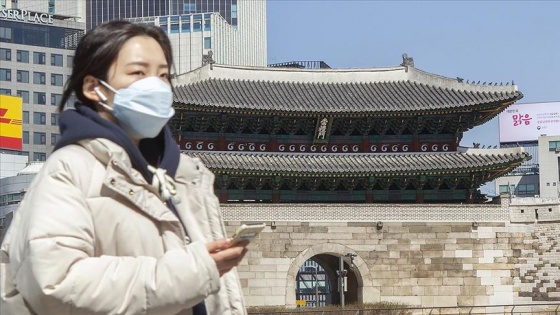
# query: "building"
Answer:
x=35 y=61
x=234 y=31
x=70 y=8
x=202 y=38
x=12 y=190
x=39 y=37
x=11 y=163
x=383 y=135
x=536 y=128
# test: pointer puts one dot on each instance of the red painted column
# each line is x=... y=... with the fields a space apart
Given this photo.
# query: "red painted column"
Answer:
x=275 y=196
x=223 y=196
x=222 y=145
x=365 y=145
x=369 y=196
x=470 y=196
x=420 y=197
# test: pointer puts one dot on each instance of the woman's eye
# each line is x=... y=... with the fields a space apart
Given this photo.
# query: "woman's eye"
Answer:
x=138 y=73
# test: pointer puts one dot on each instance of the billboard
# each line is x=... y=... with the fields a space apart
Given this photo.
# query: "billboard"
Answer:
x=10 y=122
x=526 y=122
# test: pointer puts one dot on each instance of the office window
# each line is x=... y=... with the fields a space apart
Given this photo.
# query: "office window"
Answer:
x=22 y=56
x=57 y=79
x=197 y=26
x=526 y=189
x=24 y=96
x=553 y=145
x=5 y=54
x=503 y=189
x=234 y=11
x=25 y=117
x=39 y=58
x=5 y=74
x=39 y=156
x=55 y=99
x=207 y=23
x=39 y=98
x=207 y=43
x=71 y=101
x=5 y=91
x=5 y=33
x=39 y=78
x=22 y=76
x=51 y=7
x=25 y=137
x=69 y=61
x=174 y=28
x=56 y=60
x=54 y=138
x=185 y=24
x=189 y=7
x=39 y=118
x=39 y=138
x=54 y=119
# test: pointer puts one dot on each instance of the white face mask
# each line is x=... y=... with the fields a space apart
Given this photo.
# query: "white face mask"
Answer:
x=143 y=108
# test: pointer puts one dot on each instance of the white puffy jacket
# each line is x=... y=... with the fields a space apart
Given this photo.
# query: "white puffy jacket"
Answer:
x=93 y=237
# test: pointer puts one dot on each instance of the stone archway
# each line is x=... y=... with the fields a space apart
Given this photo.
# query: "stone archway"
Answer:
x=366 y=293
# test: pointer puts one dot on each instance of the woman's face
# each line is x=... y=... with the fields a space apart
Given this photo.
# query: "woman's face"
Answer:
x=139 y=57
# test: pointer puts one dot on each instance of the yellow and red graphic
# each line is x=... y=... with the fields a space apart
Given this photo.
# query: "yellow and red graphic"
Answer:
x=10 y=122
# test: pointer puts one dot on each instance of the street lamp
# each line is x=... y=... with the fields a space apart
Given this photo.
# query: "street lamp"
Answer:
x=341 y=272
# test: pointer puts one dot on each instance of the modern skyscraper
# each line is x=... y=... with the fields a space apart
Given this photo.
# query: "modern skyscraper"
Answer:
x=36 y=57
x=234 y=30
x=39 y=37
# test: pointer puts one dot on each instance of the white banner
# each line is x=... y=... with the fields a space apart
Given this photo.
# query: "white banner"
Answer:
x=526 y=122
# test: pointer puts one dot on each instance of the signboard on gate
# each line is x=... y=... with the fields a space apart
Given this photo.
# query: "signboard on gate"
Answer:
x=301 y=302
x=10 y=122
x=526 y=122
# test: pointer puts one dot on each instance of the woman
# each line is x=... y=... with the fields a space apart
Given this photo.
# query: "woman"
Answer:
x=118 y=221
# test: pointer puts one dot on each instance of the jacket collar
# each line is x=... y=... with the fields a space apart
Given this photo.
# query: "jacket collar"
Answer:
x=85 y=123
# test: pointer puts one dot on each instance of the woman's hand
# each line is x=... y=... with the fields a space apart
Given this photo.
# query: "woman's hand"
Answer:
x=227 y=254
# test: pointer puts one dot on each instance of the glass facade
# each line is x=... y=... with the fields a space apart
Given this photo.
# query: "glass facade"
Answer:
x=39 y=35
x=99 y=11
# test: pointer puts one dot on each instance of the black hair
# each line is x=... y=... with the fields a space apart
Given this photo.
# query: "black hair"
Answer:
x=100 y=47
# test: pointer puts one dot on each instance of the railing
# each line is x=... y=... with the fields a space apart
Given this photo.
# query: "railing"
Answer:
x=518 y=309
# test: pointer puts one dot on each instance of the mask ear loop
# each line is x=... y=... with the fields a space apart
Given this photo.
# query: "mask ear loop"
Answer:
x=100 y=94
x=103 y=99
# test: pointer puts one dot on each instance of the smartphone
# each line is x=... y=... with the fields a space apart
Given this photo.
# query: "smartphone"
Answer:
x=248 y=231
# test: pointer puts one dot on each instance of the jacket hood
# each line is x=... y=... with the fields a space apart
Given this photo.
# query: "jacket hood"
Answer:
x=85 y=123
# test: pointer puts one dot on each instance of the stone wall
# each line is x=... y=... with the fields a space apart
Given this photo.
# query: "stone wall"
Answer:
x=453 y=263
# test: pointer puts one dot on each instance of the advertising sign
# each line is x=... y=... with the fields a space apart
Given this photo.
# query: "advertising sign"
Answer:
x=10 y=122
x=526 y=122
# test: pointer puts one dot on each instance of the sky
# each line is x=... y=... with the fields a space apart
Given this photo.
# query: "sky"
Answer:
x=486 y=41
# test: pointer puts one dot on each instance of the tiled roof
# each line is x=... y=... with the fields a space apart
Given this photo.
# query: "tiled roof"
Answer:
x=398 y=89
x=348 y=164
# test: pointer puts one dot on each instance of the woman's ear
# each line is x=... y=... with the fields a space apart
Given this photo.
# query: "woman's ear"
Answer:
x=92 y=91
